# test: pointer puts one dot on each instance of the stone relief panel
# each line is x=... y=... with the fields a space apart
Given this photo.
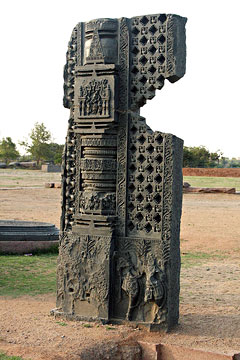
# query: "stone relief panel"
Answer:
x=141 y=283
x=94 y=99
x=83 y=274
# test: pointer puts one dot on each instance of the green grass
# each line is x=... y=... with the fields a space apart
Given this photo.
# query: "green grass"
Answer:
x=87 y=325
x=207 y=181
x=61 y=323
x=194 y=259
x=27 y=275
x=6 y=357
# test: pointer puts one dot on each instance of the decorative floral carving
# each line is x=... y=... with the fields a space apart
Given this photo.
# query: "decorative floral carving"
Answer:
x=94 y=201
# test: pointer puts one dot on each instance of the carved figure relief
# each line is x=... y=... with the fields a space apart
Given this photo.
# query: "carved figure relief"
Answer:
x=94 y=99
x=121 y=182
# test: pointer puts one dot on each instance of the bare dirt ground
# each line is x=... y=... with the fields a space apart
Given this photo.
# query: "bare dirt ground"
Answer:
x=210 y=287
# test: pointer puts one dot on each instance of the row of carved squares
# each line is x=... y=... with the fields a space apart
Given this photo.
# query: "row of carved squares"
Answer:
x=149 y=19
x=149 y=44
x=147 y=228
x=141 y=217
x=144 y=140
x=148 y=56
x=147 y=160
x=141 y=72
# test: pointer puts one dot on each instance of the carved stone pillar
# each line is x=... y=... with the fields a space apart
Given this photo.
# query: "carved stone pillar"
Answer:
x=122 y=183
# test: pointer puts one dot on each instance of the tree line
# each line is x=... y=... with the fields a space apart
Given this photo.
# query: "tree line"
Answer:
x=201 y=157
x=40 y=147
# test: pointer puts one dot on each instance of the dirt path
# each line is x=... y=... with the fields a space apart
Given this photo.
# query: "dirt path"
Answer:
x=210 y=290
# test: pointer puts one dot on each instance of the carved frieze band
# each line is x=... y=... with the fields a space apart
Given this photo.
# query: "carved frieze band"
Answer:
x=167 y=195
x=98 y=164
x=121 y=188
x=69 y=70
x=69 y=178
x=94 y=141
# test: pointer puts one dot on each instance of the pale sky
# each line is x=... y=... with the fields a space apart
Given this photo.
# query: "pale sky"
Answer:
x=202 y=108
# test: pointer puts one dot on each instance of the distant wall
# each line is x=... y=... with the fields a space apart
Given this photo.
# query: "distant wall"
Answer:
x=225 y=172
x=51 y=168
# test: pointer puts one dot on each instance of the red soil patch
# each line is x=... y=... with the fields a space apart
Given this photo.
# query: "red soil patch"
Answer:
x=226 y=172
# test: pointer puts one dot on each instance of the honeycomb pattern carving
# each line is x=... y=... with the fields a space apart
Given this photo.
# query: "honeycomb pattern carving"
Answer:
x=148 y=57
x=145 y=179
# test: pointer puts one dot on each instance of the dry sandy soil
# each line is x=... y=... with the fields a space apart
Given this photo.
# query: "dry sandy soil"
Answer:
x=210 y=290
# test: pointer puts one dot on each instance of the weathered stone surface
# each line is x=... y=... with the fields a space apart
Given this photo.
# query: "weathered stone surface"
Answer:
x=121 y=183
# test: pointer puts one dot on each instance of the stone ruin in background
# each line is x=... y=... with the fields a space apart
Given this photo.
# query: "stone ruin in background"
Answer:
x=122 y=183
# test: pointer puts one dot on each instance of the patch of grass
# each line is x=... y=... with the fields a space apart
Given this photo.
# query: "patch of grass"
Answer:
x=110 y=328
x=61 y=323
x=87 y=325
x=194 y=259
x=6 y=357
x=27 y=275
x=208 y=181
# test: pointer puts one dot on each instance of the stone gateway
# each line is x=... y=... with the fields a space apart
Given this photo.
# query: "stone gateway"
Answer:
x=119 y=257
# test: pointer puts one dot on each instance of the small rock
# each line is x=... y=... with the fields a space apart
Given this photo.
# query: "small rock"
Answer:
x=49 y=185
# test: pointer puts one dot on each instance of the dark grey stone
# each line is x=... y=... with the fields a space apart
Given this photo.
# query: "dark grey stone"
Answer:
x=119 y=256
x=16 y=230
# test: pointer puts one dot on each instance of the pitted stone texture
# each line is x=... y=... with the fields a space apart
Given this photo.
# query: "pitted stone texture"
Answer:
x=121 y=182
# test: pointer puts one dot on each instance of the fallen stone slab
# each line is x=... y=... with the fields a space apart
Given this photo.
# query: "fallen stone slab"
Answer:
x=209 y=190
x=20 y=237
x=153 y=351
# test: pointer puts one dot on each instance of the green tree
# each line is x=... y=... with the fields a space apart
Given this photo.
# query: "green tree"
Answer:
x=39 y=145
x=8 y=150
x=200 y=157
x=56 y=151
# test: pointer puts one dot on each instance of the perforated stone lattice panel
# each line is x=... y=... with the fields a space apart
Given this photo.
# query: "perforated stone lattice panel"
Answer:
x=148 y=55
x=145 y=190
